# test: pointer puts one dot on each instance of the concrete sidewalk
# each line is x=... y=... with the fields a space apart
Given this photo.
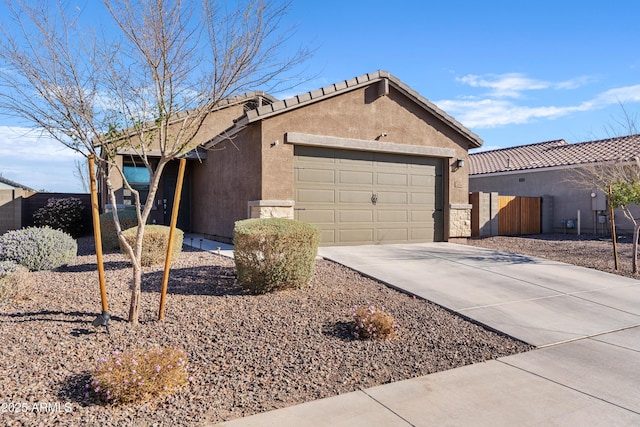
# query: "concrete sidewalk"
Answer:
x=585 y=324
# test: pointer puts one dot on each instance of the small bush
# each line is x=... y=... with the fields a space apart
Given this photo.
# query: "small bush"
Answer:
x=13 y=281
x=138 y=376
x=62 y=214
x=154 y=243
x=372 y=323
x=274 y=253
x=38 y=248
x=128 y=218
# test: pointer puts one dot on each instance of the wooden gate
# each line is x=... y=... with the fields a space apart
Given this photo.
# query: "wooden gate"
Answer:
x=518 y=215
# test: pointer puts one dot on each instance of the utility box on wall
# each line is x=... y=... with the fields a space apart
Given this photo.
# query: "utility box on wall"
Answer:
x=598 y=200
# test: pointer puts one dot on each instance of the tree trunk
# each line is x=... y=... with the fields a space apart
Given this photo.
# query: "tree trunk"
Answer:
x=134 y=307
x=634 y=261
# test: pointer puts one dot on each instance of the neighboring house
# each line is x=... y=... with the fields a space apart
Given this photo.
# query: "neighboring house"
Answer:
x=555 y=170
x=11 y=194
x=7 y=184
x=368 y=160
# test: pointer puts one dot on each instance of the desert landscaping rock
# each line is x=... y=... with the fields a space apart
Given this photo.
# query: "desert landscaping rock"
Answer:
x=247 y=354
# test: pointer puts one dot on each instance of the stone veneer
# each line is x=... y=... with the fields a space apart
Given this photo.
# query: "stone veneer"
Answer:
x=460 y=220
x=270 y=209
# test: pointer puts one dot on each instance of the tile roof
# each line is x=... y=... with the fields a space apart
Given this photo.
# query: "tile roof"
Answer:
x=15 y=184
x=338 y=88
x=554 y=154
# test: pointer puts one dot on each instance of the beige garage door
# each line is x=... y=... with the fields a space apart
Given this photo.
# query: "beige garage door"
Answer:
x=359 y=197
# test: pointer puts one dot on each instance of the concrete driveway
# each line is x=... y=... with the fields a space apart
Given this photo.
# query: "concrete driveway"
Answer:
x=585 y=324
x=538 y=301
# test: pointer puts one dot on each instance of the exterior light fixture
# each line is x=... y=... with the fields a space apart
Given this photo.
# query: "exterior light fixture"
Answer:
x=460 y=163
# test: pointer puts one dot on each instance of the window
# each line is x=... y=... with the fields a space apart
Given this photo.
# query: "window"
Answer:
x=139 y=179
x=138 y=176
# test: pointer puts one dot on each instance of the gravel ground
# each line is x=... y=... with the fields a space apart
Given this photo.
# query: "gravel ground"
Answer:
x=585 y=250
x=248 y=354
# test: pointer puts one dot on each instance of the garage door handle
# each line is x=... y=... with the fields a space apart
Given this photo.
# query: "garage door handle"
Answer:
x=374 y=198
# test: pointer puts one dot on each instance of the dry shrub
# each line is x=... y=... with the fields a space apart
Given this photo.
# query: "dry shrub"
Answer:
x=138 y=376
x=155 y=242
x=274 y=253
x=128 y=218
x=373 y=323
x=14 y=281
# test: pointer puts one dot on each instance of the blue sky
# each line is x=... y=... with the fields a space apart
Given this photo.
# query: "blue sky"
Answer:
x=514 y=72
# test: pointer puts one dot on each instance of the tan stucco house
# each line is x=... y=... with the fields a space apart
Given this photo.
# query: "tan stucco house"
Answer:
x=555 y=171
x=368 y=160
x=11 y=194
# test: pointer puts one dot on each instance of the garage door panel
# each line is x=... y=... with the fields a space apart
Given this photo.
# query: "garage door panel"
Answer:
x=356 y=235
x=328 y=236
x=393 y=179
x=422 y=180
x=423 y=198
x=356 y=177
x=317 y=216
x=421 y=234
x=392 y=198
x=392 y=216
x=354 y=197
x=357 y=216
x=319 y=176
x=315 y=196
x=391 y=235
x=418 y=216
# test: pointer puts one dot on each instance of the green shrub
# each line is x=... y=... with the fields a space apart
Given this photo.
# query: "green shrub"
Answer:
x=154 y=243
x=128 y=218
x=38 y=248
x=64 y=214
x=274 y=253
x=372 y=323
x=138 y=376
x=13 y=281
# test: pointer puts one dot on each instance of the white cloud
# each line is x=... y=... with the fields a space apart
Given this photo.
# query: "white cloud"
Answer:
x=504 y=85
x=36 y=161
x=503 y=104
x=512 y=85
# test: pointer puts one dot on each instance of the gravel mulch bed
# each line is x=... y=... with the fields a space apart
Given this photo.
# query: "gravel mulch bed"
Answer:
x=248 y=354
x=585 y=250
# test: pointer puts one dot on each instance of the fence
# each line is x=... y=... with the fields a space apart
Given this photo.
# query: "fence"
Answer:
x=493 y=215
x=18 y=206
x=518 y=215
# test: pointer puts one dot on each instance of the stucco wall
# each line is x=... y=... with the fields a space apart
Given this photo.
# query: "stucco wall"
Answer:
x=568 y=190
x=224 y=183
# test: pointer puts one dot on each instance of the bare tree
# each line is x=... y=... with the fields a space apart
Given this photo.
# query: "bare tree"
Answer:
x=618 y=176
x=145 y=84
x=81 y=174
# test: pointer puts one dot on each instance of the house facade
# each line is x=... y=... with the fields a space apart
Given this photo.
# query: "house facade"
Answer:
x=368 y=160
x=11 y=195
x=559 y=173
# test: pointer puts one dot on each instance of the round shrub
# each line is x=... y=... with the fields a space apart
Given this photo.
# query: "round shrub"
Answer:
x=38 y=248
x=155 y=242
x=274 y=253
x=13 y=280
x=372 y=323
x=65 y=214
x=128 y=218
x=137 y=376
